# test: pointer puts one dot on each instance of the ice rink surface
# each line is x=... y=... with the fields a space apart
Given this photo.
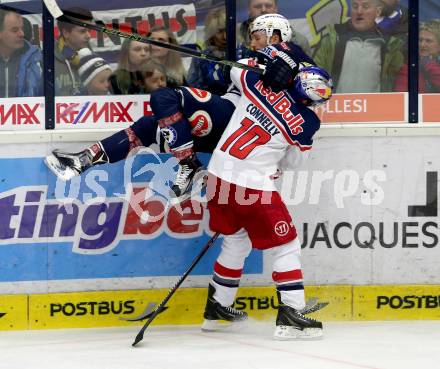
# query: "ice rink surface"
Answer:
x=368 y=345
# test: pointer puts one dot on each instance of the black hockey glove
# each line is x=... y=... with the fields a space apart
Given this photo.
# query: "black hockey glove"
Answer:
x=281 y=68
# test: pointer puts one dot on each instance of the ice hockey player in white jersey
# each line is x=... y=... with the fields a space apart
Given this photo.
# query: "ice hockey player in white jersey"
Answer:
x=244 y=204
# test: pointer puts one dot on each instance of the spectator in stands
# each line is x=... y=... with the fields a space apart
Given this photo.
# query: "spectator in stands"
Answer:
x=20 y=62
x=260 y=7
x=429 y=62
x=94 y=73
x=71 y=39
x=153 y=75
x=127 y=78
x=393 y=19
x=171 y=60
x=202 y=73
x=357 y=55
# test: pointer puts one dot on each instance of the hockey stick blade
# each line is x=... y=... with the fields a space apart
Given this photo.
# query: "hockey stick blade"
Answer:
x=57 y=13
x=147 y=313
x=313 y=306
x=53 y=8
x=140 y=335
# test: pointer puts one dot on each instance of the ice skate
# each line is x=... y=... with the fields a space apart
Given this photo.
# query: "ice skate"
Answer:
x=292 y=325
x=218 y=317
x=67 y=165
x=186 y=174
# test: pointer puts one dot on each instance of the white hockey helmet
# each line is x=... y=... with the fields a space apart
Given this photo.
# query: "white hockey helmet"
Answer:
x=271 y=22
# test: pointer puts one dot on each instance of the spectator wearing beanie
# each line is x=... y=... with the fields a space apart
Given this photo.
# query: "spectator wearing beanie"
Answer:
x=94 y=73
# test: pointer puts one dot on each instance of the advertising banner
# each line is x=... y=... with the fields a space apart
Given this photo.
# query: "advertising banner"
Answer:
x=74 y=112
x=103 y=112
x=100 y=112
x=13 y=312
x=109 y=223
x=365 y=108
x=361 y=219
x=130 y=307
x=122 y=308
x=22 y=113
x=128 y=16
x=367 y=210
x=396 y=302
x=429 y=108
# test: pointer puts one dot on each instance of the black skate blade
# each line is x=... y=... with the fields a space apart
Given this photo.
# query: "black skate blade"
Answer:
x=221 y=325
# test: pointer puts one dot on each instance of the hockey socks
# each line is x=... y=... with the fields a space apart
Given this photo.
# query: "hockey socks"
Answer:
x=291 y=324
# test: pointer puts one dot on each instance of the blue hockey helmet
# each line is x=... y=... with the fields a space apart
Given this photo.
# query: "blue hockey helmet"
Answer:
x=312 y=86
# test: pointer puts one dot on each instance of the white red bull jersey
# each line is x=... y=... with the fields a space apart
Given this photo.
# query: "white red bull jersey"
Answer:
x=264 y=125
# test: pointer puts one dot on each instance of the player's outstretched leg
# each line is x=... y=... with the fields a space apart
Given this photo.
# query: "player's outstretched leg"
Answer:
x=66 y=165
x=217 y=316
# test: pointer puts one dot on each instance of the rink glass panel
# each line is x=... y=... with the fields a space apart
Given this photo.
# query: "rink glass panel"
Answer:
x=357 y=100
x=309 y=19
x=136 y=67
x=429 y=61
x=22 y=106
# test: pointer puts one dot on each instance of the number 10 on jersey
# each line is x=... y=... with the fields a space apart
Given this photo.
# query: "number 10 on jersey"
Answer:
x=245 y=139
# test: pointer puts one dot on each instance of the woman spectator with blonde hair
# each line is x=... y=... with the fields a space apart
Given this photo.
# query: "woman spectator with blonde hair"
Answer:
x=202 y=73
x=429 y=60
x=171 y=60
x=127 y=78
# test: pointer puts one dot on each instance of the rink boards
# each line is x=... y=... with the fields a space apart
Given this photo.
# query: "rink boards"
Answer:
x=366 y=219
x=125 y=308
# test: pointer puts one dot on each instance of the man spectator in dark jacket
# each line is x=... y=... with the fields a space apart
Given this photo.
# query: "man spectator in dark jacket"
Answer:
x=20 y=62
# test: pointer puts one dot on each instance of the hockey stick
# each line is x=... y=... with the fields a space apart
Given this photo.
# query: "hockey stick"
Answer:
x=57 y=13
x=140 y=335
